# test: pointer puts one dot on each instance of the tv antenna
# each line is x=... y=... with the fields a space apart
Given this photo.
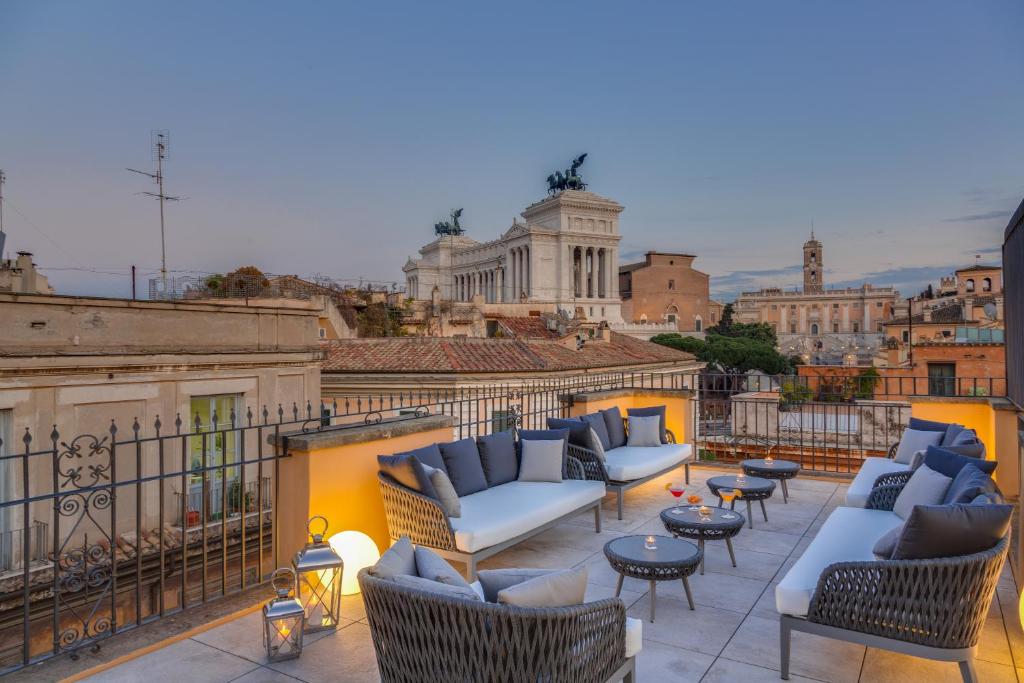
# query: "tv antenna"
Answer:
x=160 y=140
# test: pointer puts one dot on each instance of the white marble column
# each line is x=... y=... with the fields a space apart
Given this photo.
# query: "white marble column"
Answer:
x=528 y=258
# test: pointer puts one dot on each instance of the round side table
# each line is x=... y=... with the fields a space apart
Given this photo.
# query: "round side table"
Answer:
x=753 y=488
x=779 y=470
x=719 y=525
x=671 y=560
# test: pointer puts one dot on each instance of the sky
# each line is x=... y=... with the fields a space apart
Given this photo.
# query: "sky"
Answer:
x=328 y=138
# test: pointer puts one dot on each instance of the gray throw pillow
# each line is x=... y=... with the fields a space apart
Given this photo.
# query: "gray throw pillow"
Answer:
x=493 y=581
x=462 y=460
x=400 y=558
x=951 y=530
x=445 y=589
x=541 y=461
x=644 y=431
x=887 y=543
x=595 y=445
x=616 y=429
x=446 y=494
x=546 y=435
x=430 y=565
x=926 y=487
x=498 y=457
x=557 y=589
x=647 y=412
x=596 y=422
x=913 y=441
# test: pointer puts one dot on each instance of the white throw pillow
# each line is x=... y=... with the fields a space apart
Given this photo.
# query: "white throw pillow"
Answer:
x=926 y=487
x=913 y=441
x=595 y=445
x=541 y=460
x=446 y=494
x=644 y=431
x=557 y=589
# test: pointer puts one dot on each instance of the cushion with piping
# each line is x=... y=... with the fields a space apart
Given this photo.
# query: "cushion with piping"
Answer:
x=400 y=558
x=925 y=487
x=546 y=435
x=951 y=530
x=541 y=461
x=968 y=484
x=913 y=441
x=493 y=581
x=430 y=565
x=498 y=457
x=428 y=455
x=644 y=431
x=557 y=589
x=616 y=429
x=647 y=412
x=446 y=494
x=596 y=422
x=408 y=471
x=462 y=460
x=949 y=463
x=579 y=434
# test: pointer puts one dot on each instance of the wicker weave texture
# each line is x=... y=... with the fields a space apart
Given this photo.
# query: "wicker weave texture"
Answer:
x=416 y=516
x=420 y=636
x=883 y=497
x=893 y=479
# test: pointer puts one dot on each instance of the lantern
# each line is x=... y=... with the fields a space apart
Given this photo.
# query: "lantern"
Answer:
x=283 y=619
x=318 y=571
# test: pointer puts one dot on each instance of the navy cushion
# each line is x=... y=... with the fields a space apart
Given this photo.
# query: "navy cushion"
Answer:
x=429 y=456
x=596 y=422
x=462 y=460
x=966 y=442
x=649 y=412
x=969 y=483
x=952 y=432
x=949 y=463
x=616 y=430
x=927 y=425
x=408 y=471
x=498 y=457
x=579 y=431
x=547 y=435
x=950 y=530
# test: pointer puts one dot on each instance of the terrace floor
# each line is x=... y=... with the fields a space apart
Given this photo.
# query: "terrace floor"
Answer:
x=731 y=636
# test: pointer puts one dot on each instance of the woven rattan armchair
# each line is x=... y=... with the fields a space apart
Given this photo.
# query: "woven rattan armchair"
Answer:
x=421 y=636
x=932 y=608
x=595 y=469
x=424 y=521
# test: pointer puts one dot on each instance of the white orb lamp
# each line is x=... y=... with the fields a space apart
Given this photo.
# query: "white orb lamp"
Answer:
x=357 y=550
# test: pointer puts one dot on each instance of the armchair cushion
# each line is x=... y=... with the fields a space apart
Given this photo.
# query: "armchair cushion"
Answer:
x=949 y=463
x=439 y=587
x=462 y=460
x=913 y=441
x=969 y=483
x=556 y=589
x=493 y=581
x=407 y=470
x=579 y=431
x=616 y=430
x=541 y=460
x=630 y=463
x=430 y=565
x=446 y=494
x=644 y=432
x=950 y=530
x=428 y=455
x=547 y=435
x=400 y=558
x=596 y=422
x=648 y=412
x=498 y=457
x=926 y=487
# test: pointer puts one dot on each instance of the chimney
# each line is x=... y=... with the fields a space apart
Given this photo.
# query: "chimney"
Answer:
x=604 y=332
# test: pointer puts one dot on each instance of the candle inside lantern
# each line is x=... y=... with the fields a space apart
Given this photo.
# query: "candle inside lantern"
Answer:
x=651 y=543
x=705 y=511
x=768 y=460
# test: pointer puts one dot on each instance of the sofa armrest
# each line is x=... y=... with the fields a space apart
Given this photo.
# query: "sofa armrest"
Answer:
x=412 y=514
x=941 y=602
x=593 y=468
x=670 y=436
x=892 y=450
x=883 y=497
x=893 y=479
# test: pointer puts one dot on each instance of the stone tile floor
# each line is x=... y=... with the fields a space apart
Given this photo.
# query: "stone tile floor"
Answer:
x=731 y=636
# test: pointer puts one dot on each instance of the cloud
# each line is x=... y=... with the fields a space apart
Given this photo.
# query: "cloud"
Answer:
x=731 y=285
x=987 y=216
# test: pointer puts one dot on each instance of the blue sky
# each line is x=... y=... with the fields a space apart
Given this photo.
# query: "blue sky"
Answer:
x=328 y=138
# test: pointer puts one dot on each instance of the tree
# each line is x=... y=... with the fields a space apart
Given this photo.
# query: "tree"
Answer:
x=726 y=322
x=732 y=355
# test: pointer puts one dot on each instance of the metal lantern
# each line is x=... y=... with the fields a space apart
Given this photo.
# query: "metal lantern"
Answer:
x=283 y=619
x=318 y=572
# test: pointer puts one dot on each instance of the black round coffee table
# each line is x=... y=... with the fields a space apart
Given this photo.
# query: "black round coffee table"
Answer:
x=673 y=559
x=753 y=488
x=780 y=470
x=715 y=527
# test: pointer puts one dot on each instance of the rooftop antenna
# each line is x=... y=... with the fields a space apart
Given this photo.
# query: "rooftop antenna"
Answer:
x=3 y=237
x=160 y=140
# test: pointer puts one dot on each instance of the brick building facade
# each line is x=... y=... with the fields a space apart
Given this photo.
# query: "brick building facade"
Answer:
x=665 y=287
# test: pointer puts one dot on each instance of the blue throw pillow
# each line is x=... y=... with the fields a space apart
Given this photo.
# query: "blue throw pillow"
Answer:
x=547 y=435
x=596 y=422
x=408 y=471
x=429 y=456
x=952 y=431
x=650 y=412
x=616 y=429
x=949 y=463
x=462 y=459
x=498 y=457
x=951 y=530
x=579 y=431
x=969 y=483
x=966 y=442
x=920 y=425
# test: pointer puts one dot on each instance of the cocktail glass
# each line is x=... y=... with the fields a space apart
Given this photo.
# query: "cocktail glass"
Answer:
x=677 y=490
x=728 y=496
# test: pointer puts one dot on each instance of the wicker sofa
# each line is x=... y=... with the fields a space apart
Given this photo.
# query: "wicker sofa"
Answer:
x=493 y=519
x=422 y=636
x=930 y=608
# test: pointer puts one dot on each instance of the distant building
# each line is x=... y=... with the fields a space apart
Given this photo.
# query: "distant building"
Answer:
x=666 y=288
x=824 y=326
x=19 y=275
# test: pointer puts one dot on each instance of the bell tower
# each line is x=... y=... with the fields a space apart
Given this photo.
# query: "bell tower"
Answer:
x=813 y=267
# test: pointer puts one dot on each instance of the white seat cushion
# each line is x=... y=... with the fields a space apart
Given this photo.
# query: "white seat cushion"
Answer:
x=629 y=463
x=848 y=535
x=634 y=636
x=872 y=469
x=501 y=513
